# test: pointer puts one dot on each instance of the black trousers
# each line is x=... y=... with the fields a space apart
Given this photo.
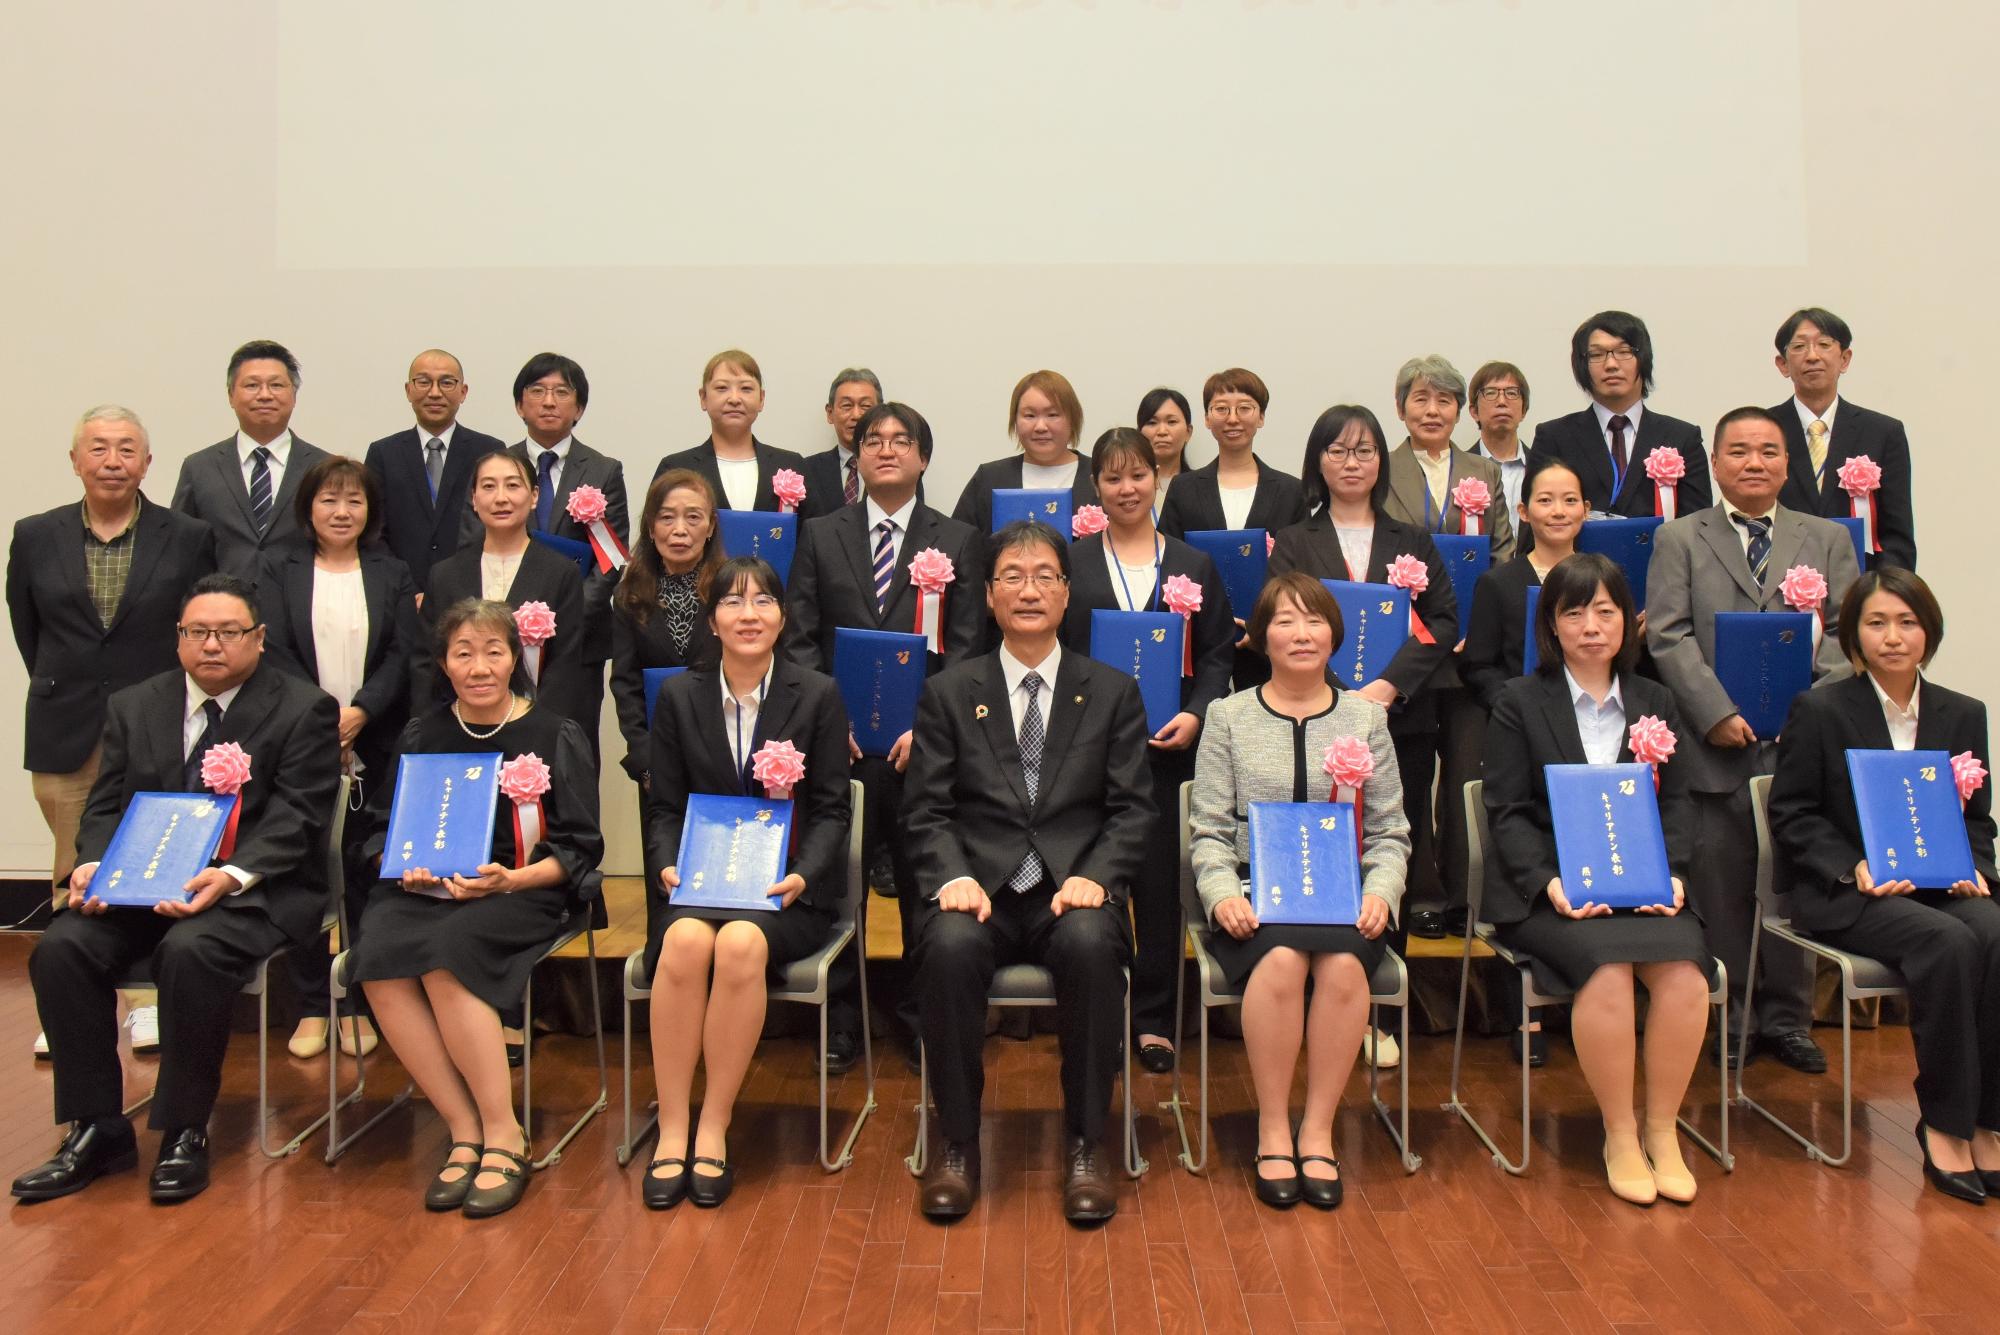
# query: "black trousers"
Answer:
x=1948 y=951
x=881 y=825
x=1416 y=762
x=1722 y=887
x=1156 y=900
x=1461 y=738
x=198 y=964
x=957 y=955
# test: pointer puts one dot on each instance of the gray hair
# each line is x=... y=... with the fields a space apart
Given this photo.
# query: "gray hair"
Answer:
x=853 y=375
x=1434 y=371
x=110 y=412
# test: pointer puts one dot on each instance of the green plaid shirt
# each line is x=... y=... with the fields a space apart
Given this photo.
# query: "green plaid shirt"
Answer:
x=107 y=565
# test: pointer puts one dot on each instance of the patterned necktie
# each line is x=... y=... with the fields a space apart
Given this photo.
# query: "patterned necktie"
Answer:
x=260 y=487
x=851 y=489
x=1760 y=546
x=191 y=769
x=885 y=565
x=1030 y=871
x=1620 y=424
x=546 y=501
x=434 y=463
x=1816 y=445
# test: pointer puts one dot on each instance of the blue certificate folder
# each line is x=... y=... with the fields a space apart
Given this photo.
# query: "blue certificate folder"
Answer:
x=773 y=536
x=1241 y=557
x=655 y=679
x=1375 y=620
x=1052 y=507
x=732 y=851
x=1304 y=866
x=1853 y=527
x=1763 y=659
x=1531 y=649
x=579 y=552
x=163 y=841
x=1629 y=542
x=1145 y=646
x=880 y=674
x=1467 y=556
x=442 y=815
x=1912 y=826
x=1609 y=846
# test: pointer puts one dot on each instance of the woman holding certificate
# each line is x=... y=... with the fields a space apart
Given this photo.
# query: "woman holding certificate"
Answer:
x=1043 y=417
x=755 y=726
x=1945 y=941
x=440 y=957
x=1133 y=567
x=1274 y=743
x=1585 y=705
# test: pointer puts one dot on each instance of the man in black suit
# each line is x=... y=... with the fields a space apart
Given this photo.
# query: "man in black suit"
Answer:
x=426 y=471
x=833 y=476
x=1027 y=808
x=242 y=486
x=1611 y=357
x=550 y=394
x=1823 y=431
x=268 y=890
x=853 y=569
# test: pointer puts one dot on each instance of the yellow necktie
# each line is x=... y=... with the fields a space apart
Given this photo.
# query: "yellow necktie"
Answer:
x=1816 y=445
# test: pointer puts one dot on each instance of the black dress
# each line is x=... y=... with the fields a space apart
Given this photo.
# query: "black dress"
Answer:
x=491 y=944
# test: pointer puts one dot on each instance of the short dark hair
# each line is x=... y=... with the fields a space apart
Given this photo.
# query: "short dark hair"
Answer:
x=554 y=363
x=739 y=573
x=476 y=612
x=1155 y=398
x=1235 y=380
x=912 y=421
x=337 y=470
x=1744 y=414
x=1540 y=462
x=1821 y=318
x=230 y=587
x=1493 y=371
x=1573 y=583
x=1326 y=430
x=263 y=350
x=521 y=466
x=638 y=592
x=1308 y=593
x=1121 y=442
x=1026 y=533
x=1900 y=583
x=1620 y=325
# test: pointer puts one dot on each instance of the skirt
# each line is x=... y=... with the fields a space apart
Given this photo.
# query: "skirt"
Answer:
x=1239 y=958
x=1564 y=952
x=789 y=934
x=490 y=945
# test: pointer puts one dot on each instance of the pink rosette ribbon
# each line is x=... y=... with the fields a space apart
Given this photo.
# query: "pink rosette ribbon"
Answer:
x=779 y=766
x=931 y=571
x=1665 y=467
x=1182 y=596
x=523 y=780
x=1409 y=572
x=1652 y=742
x=1969 y=774
x=1804 y=590
x=536 y=622
x=790 y=489
x=1087 y=520
x=1861 y=477
x=586 y=505
x=1350 y=764
x=225 y=768
x=1473 y=498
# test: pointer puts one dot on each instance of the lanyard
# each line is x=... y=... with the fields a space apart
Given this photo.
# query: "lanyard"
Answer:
x=742 y=742
x=1434 y=519
x=1159 y=558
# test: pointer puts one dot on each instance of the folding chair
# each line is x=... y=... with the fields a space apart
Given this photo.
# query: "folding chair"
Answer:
x=1478 y=837
x=1389 y=985
x=805 y=981
x=1860 y=978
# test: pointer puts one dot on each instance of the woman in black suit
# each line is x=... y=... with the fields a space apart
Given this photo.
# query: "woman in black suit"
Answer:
x=657 y=614
x=1166 y=424
x=1945 y=943
x=344 y=617
x=1578 y=708
x=737 y=466
x=709 y=966
x=1553 y=509
x=1236 y=485
x=1125 y=568
x=1043 y=417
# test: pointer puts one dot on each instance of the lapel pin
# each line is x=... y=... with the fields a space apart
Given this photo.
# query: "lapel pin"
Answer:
x=1079 y=699
x=979 y=711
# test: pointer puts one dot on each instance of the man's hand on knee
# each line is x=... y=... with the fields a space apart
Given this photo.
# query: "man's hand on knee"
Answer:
x=1078 y=892
x=965 y=895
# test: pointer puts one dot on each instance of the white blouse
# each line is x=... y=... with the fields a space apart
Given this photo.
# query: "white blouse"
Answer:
x=1356 y=544
x=340 y=632
x=496 y=574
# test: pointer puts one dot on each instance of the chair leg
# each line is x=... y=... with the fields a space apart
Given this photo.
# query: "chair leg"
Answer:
x=1720 y=1153
x=920 y=1155
x=1457 y=1103
x=1814 y=1150
x=336 y=1144
x=1396 y=1124
x=630 y=1144
x=833 y=1163
x=1135 y=1163
x=603 y=1099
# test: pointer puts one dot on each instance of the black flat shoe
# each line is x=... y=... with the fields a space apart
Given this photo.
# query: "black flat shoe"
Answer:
x=89 y=1150
x=842 y=1051
x=1538 y=1049
x=1157 y=1057
x=1989 y=1180
x=1968 y=1187
x=182 y=1171
x=1277 y=1192
x=706 y=1191
x=441 y=1195
x=664 y=1193
x=485 y=1202
x=1741 y=1052
x=1321 y=1193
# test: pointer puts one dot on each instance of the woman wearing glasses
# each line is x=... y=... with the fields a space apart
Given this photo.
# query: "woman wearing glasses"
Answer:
x=714 y=729
x=1044 y=417
x=1237 y=489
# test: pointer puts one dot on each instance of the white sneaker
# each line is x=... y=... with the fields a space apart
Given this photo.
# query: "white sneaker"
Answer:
x=41 y=1047
x=144 y=1026
x=1379 y=1050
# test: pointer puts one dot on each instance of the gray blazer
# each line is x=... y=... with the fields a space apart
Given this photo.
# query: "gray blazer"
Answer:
x=1698 y=569
x=212 y=489
x=1246 y=756
x=1406 y=498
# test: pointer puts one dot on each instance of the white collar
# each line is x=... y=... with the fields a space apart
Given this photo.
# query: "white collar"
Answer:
x=1632 y=415
x=1890 y=706
x=280 y=449
x=561 y=448
x=1520 y=459
x=763 y=687
x=1013 y=669
x=901 y=518
x=1578 y=695
x=197 y=697
x=1807 y=416
x=425 y=434
x=1729 y=512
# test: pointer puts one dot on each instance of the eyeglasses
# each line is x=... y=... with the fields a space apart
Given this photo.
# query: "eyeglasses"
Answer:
x=1621 y=353
x=222 y=634
x=1361 y=454
x=1043 y=580
x=560 y=393
x=889 y=444
x=447 y=383
x=1825 y=347
x=1497 y=394
x=735 y=602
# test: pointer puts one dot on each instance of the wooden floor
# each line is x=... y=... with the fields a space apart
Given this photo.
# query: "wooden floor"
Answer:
x=1782 y=1245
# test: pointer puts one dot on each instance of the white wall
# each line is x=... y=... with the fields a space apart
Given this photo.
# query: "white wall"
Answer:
x=187 y=178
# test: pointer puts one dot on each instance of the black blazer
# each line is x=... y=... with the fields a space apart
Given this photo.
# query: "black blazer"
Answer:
x=975 y=503
x=74 y=662
x=769 y=460
x=1576 y=440
x=965 y=801
x=1194 y=502
x=690 y=754
x=1533 y=725
x=1315 y=548
x=586 y=466
x=211 y=488
x=542 y=576
x=420 y=530
x=833 y=585
x=1090 y=590
x=1813 y=818
x=826 y=485
x=1856 y=430
x=636 y=646
x=1497 y=629
x=291 y=731
x=396 y=638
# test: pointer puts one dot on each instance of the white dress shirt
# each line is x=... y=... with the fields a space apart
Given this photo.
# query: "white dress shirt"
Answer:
x=425 y=436
x=1769 y=516
x=1513 y=474
x=1132 y=586
x=1902 y=722
x=281 y=451
x=1807 y=417
x=739 y=718
x=899 y=526
x=193 y=722
x=340 y=632
x=1602 y=725
x=1013 y=670
x=739 y=482
x=1632 y=415
x=535 y=451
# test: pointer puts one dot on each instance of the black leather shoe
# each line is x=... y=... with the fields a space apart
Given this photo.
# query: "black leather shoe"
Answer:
x=842 y=1051
x=485 y=1202
x=1157 y=1057
x=1322 y=1193
x=182 y=1172
x=1989 y=1180
x=1798 y=1051
x=449 y=1193
x=1739 y=1054
x=1455 y=921
x=1969 y=1187
x=664 y=1193
x=90 y=1149
x=1277 y=1192
x=1088 y=1197
x=1538 y=1048
x=950 y=1185
x=709 y=1191
x=1427 y=923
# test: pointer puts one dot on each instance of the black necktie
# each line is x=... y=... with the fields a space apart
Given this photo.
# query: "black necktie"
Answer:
x=1760 y=546
x=260 y=487
x=545 y=502
x=210 y=735
x=1620 y=424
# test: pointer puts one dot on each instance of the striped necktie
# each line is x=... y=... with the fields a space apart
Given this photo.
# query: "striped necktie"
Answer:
x=885 y=564
x=1759 y=552
x=1816 y=446
x=1030 y=871
x=851 y=488
x=260 y=487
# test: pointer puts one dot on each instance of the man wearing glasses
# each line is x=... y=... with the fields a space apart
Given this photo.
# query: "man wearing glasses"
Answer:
x=426 y=470
x=1027 y=809
x=201 y=945
x=1499 y=404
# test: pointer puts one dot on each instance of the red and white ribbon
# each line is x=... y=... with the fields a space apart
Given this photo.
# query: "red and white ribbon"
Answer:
x=225 y=768
x=1804 y=590
x=1861 y=477
x=1350 y=764
x=1408 y=572
x=586 y=505
x=1665 y=467
x=523 y=780
x=1182 y=596
x=1473 y=498
x=931 y=571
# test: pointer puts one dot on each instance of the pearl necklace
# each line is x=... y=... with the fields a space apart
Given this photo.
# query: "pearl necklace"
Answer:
x=466 y=728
